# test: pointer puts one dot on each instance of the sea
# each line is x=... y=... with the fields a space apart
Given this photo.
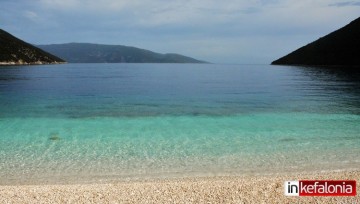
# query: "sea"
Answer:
x=84 y=123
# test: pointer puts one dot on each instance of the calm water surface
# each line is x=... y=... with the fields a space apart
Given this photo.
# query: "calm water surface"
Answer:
x=94 y=122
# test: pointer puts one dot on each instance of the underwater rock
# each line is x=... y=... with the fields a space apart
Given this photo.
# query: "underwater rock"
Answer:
x=287 y=140
x=54 y=137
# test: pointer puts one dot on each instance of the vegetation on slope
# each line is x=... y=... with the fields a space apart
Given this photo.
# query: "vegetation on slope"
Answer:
x=16 y=51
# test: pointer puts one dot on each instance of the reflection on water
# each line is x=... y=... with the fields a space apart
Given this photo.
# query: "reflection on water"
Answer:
x=118 y=90
x=86 y=122
x=341 y=83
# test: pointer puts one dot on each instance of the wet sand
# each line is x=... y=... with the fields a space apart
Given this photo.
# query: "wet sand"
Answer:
x=229 y=189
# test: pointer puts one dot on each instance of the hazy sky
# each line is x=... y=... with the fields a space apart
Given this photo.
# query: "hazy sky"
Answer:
x=229 y=31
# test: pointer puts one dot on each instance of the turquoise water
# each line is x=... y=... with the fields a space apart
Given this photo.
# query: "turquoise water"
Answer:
x=93 y=122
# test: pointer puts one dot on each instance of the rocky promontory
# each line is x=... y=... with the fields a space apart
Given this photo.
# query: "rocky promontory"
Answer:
x=14 y=51
x=339 y=48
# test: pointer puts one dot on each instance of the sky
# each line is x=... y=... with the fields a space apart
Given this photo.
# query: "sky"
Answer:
x=229 y=31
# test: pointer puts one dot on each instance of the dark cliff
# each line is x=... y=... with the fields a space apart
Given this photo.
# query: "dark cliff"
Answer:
x=14 y=51
x=341 y=47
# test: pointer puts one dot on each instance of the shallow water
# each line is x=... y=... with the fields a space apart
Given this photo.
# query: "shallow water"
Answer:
x=90 y=122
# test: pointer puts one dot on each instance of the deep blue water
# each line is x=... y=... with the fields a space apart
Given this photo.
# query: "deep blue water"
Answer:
x=80 y=122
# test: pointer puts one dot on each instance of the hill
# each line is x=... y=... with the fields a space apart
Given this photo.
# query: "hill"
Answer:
x=98 y=53
x=341 y=47
x=14 y=51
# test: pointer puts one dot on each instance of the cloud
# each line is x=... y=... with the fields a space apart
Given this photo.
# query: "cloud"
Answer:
x=243 y=31
x=346 y=3
x=31 y=15
x=157 y=12
x=60 y=4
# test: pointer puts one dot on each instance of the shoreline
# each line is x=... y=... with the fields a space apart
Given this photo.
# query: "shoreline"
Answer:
x=30 y=63
x=217 y=189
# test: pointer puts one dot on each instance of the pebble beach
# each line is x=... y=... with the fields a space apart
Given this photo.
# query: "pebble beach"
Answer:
x=227 y=189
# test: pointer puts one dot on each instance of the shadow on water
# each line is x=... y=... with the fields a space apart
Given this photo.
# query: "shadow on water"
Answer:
x=13 y=73
x=339 y=73
x=343 y=83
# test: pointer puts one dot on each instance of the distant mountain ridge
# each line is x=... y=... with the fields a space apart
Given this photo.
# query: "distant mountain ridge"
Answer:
x=14 y=51
x=99 y=53
x=341 y=47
